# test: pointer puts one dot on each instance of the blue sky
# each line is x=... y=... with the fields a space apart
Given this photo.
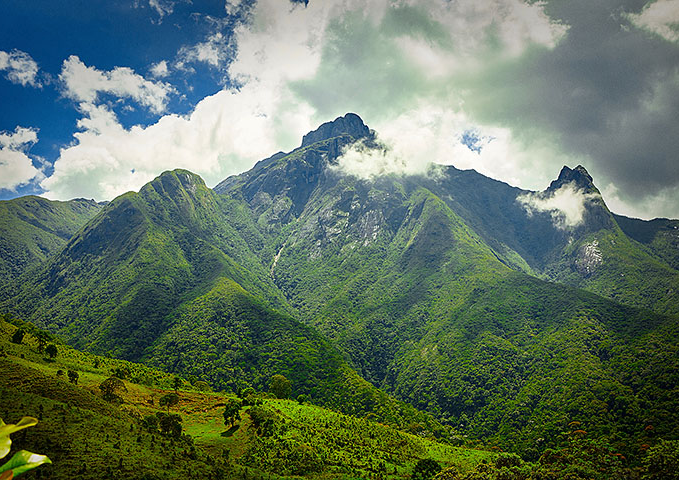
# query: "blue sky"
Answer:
x=97 y=98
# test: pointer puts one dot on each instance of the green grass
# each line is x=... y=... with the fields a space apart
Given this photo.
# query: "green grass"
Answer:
x=87 y=437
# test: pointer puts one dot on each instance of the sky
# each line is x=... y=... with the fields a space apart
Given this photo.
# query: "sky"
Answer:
x=99 y=97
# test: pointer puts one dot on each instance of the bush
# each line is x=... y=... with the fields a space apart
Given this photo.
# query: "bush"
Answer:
x=662 y=461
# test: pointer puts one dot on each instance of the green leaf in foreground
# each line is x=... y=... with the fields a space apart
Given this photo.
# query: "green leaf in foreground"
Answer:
x=7 y=430
x=22 y=461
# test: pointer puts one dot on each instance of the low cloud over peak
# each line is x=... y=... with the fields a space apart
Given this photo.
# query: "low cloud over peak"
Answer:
x=566 y=205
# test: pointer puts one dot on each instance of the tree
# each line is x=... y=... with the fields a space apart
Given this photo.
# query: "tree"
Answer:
x=18 y=336
x=176 y=383
x=231 y=412
x=73 y=376
x=280 y=386
x=51 y=350
x=425 y=469
x=42 y=337
x=110 y=388
x=662 y=461
x=263 y=420
x=170 y=424
x=169 y=400
x=202 y=386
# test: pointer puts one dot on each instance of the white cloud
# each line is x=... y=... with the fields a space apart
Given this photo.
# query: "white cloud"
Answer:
x=20 y=67
x=215 y=51
x=84 y=84
x=660 y=17
x=160 y=69
x=226 y=133
x=16 y=167
x=232 y=6
x=162 y=7
x=394 y=63
x=566 y=205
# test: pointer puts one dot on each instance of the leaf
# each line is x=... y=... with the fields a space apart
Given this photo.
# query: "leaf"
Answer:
x=7 y=430
x=8 y=475
x=22 y=461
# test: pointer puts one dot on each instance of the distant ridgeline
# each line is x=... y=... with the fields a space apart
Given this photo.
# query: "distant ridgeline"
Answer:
x=485 y=305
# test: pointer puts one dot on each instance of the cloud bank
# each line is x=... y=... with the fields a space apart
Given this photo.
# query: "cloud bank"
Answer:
x=16 y=168
x=541 y=83
x=566 y=205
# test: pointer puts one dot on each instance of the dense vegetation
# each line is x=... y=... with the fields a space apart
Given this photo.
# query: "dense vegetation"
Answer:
x=135 y=434
x=432 y=288
x=33 y=228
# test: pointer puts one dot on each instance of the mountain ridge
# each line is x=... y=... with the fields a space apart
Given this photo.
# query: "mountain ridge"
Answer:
x=432 y=288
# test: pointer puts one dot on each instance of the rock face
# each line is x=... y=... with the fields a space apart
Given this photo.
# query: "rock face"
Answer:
x=589 y=258
x=350 y=124
x=579 y=176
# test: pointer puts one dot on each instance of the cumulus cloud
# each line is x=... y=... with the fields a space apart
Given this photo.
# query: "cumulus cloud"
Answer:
x=215 y=51
x=16 y=167
x=84 y=84
x=160 y=69
x=660 y=17
x=20 y=68
x=540 y=82
x=566 y=205
x=225 y=134
x=297 y=66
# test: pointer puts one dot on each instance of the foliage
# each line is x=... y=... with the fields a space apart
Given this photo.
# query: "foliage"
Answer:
x=169 y=400
x=280 y=386
x=18 y=336
x=170 y=424
x=662 y=461
x=231 y=411
x=110 y=389
x=51 y=350
x=21 y=461
x=425 y=469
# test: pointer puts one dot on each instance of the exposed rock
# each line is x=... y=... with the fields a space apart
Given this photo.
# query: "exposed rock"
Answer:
x=588 y=259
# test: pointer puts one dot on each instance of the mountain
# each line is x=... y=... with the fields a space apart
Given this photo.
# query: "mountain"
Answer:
x=422 y=282
x=33 y=228
x=459 y=294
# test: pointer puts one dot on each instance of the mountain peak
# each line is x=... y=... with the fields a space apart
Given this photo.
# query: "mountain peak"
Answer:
x=350 y=124
x=578 y=175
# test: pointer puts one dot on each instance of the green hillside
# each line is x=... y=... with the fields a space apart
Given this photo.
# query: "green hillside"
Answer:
x=33 y=228
x=87 y=437
x=440 y=290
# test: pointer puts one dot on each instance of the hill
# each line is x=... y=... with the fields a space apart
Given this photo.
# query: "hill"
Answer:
x=33 y=228
x=89 y=437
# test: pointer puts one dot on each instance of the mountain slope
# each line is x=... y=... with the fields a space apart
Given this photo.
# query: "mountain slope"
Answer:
x=158 y=276
x=426 y=285
x=114 y=284
x=409 y=277
x=33 y=228
x=594 y=254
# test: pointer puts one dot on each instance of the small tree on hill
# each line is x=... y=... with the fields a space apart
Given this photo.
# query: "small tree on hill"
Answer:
x=51 y=350
x=110 y=388
x=231 y=412
x=425 y=469
x=176 y=383
x=169 y=400
x=18 y=336
x=202 y=386
x=280 y=386
x=73 y=376
x=42 y=337
x=170 y=424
